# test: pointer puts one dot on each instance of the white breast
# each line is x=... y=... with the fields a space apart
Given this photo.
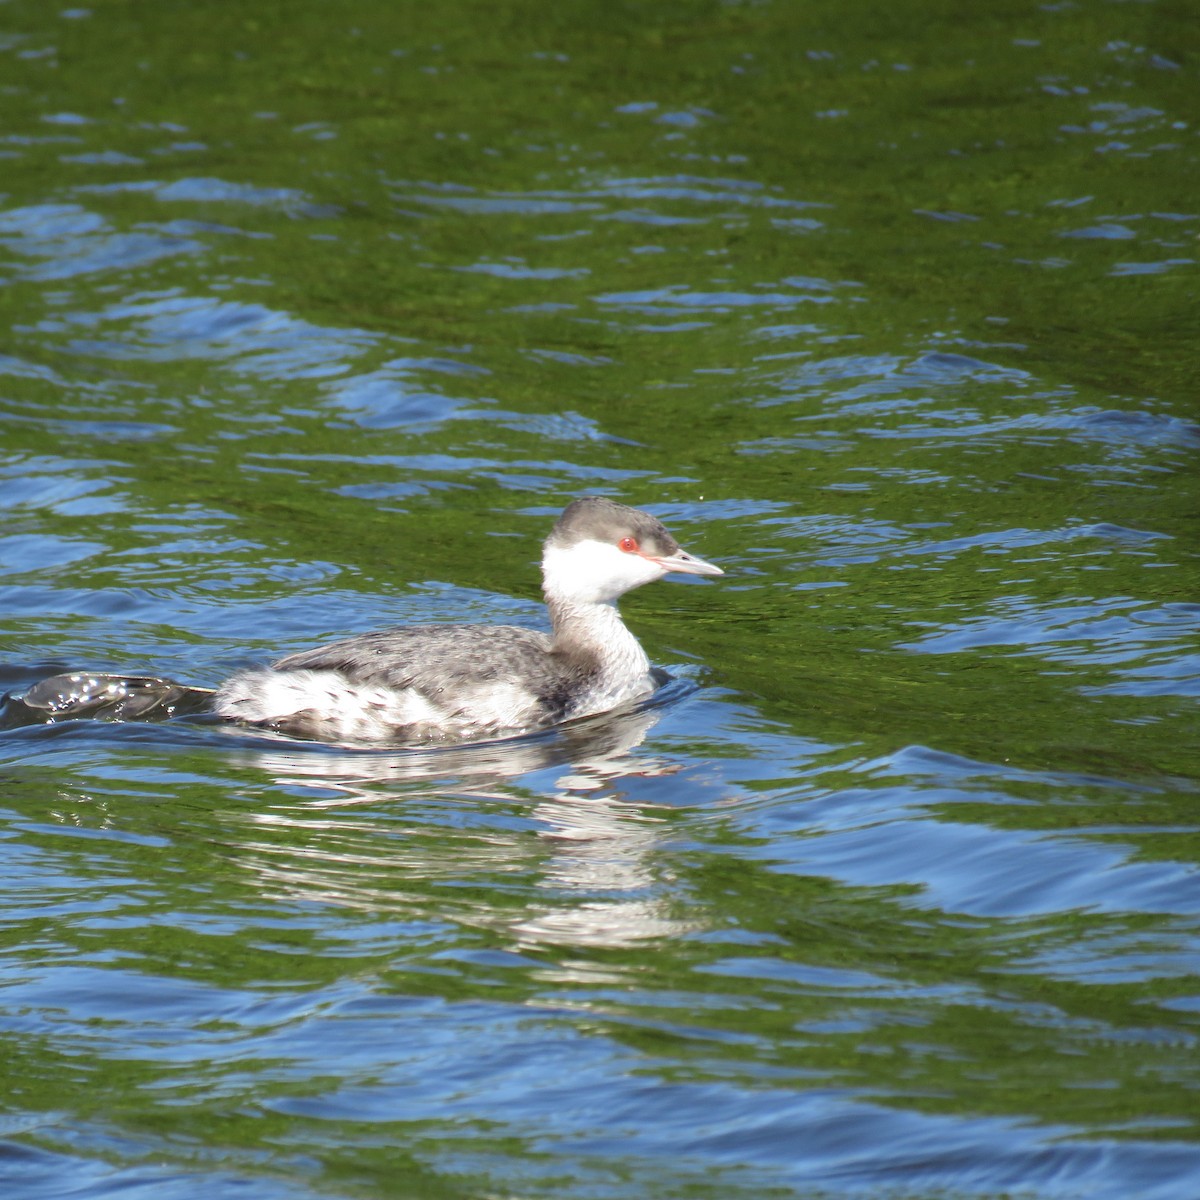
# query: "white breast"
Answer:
x=349 y=711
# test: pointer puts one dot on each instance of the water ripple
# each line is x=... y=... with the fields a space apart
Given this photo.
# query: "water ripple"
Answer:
x=73 y=242
x=251 y=338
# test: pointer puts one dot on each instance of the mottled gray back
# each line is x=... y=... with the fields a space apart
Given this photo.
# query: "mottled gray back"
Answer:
x=440 y=661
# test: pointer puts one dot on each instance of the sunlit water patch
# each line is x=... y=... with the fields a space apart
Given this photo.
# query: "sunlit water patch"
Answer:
x=312 y=327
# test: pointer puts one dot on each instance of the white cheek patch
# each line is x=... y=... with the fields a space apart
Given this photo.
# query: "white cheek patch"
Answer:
x=592 y=572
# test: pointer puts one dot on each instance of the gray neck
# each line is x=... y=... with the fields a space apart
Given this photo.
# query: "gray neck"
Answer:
x=595 y=633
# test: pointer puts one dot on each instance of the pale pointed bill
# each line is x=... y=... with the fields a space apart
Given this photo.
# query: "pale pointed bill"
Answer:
x=686 y=564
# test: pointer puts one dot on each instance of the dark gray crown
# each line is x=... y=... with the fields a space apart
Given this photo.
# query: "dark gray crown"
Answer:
x=598 y=519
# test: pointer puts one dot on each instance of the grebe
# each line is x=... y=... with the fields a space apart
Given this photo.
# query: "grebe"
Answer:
x=435 y=682
x=424 y=683
x=469 y=682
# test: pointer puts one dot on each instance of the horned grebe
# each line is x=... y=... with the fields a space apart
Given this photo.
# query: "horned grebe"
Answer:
x=438 y=682
x=430 y=682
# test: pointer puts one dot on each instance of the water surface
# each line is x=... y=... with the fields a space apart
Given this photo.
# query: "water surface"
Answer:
x=315 y=317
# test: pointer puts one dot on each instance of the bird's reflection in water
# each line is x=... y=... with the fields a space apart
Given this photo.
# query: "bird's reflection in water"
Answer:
x=588 y=874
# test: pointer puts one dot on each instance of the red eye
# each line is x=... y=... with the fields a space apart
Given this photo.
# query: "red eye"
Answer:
x=628 y=544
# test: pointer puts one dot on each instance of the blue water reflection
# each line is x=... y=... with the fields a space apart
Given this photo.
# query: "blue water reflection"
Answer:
x=314 y=324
